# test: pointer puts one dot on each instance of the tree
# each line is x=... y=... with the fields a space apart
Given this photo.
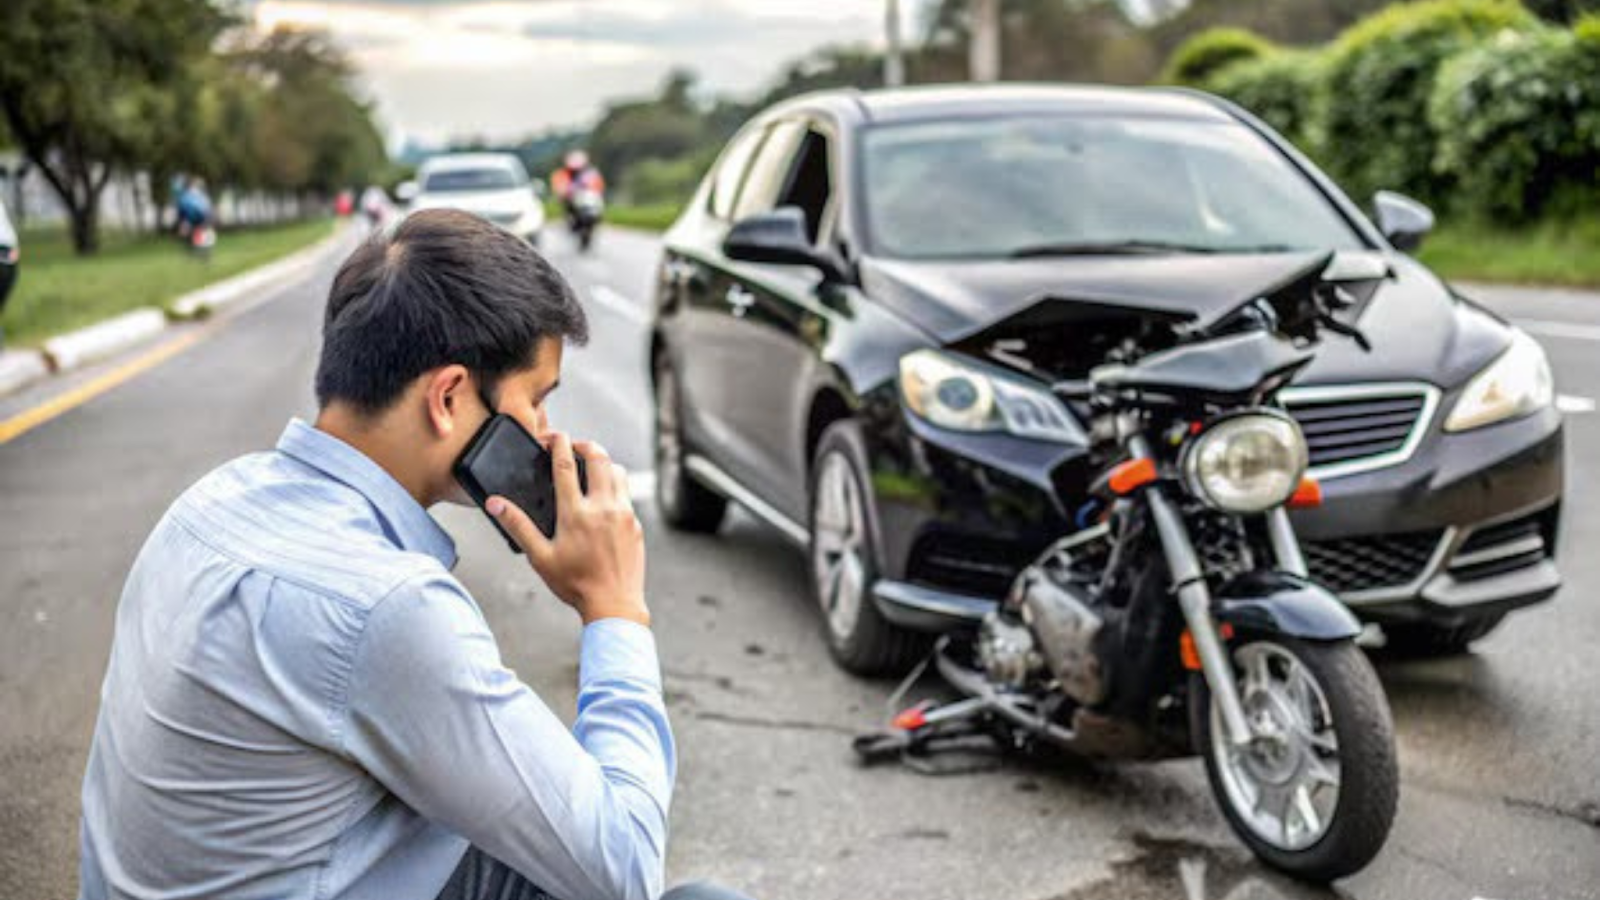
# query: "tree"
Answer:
x=82 y=82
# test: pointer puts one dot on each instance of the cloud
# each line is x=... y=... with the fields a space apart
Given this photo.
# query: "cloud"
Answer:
x=443 y=68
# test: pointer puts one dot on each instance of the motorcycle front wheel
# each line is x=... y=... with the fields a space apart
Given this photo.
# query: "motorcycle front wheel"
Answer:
x=1314 y=793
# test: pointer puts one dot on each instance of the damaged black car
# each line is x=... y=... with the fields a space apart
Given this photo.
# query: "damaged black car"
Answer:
x=870 y=320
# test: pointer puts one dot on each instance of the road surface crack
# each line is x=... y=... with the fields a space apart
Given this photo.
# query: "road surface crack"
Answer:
x=774 y=724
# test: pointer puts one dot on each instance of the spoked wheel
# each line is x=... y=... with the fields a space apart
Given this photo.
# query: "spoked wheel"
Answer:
x=844 y=561
x=686 y=504
x=1314 y=791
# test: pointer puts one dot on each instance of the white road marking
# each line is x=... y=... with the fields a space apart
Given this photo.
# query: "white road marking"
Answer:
x=1549 y=328
x=1572 y=403
x=617 y=303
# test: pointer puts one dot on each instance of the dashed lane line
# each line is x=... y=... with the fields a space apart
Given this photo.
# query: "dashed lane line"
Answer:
x=619 y=304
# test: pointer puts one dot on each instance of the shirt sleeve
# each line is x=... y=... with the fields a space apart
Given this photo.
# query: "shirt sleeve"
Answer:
x=436 y=717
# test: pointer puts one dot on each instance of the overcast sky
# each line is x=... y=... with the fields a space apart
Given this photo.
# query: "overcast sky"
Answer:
x=506 y=68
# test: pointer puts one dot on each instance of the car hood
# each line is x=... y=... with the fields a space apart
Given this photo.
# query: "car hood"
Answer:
x=1417 y=328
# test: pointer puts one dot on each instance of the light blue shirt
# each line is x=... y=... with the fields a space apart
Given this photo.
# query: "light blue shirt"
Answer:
x=303 y=703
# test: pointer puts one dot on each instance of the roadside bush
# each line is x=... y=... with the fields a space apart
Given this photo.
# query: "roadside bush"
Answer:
x=1280 y=88
x=1377 y=87
x=664 y=181
x=1518 y=121
x=1210 y=51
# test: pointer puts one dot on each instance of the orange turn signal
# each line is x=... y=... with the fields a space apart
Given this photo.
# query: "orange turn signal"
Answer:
x=1129 y=476
x=910 y=719
x=1308 y=494
x=1191 y=656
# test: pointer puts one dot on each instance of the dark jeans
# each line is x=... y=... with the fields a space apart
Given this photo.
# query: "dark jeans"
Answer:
x=482 y=877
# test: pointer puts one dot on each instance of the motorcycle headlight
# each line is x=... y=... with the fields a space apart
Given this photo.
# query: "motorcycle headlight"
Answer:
x=1518 y=382
x=1248 y=463
x=963 y=397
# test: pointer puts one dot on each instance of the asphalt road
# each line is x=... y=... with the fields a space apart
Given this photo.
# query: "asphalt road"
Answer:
x=1501 y=791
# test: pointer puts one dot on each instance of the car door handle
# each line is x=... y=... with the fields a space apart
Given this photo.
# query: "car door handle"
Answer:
x=740 y=299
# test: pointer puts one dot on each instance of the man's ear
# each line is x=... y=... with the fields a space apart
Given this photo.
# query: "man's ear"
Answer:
x=448 y=398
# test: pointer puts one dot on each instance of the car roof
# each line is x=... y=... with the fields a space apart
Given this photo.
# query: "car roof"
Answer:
x=452 y=161
x=956 y=101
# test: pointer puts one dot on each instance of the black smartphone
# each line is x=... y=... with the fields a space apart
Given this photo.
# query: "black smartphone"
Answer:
x=504 y=459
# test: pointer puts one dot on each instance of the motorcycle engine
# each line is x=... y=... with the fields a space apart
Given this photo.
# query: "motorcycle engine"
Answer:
x=1063 y=618
x=1007 y=651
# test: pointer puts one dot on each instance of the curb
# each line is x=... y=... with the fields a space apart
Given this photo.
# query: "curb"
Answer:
x=75 y=349
x=225 y=293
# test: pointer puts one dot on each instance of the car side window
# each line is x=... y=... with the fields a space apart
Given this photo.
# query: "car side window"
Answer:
x=809 y=185
x=769 y=173
x=731 y=169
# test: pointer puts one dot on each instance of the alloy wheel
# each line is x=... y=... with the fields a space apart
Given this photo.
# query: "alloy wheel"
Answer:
x=1284 y=784
x=838 y=544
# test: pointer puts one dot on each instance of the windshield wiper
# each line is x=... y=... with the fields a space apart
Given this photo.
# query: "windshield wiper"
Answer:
x=1107 y=248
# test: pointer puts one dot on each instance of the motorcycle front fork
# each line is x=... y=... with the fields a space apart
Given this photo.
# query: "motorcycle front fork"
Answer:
x=1194 y=598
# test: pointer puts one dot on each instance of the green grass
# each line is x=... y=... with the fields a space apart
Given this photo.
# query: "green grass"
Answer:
x=57 y=291
x=1557 y=253
x=653 y=217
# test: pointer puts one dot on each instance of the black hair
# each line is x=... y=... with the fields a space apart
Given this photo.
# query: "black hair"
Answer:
x=445 y=287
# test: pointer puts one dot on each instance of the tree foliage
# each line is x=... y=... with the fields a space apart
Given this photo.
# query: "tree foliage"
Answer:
x=1380 y=75
x=1200 y=57
x=1518 y=120
x=91 y=88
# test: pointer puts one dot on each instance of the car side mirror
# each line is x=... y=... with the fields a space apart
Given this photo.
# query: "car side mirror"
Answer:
x=779 y=237
x=1403 y=221
x=406 y=191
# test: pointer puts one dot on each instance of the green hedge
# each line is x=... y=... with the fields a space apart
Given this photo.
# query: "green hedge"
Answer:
x=1518 y=120
x=1280 y=88
x=1208 y=52
x=1379 y=79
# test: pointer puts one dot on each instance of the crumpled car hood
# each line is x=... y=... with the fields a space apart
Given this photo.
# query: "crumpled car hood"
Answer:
x=1418 y=329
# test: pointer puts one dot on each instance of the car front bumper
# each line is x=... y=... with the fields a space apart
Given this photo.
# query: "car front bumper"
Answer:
x=1465 y=528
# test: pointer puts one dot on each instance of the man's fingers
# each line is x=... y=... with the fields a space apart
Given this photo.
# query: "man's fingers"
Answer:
x=597 y=463
x=564 y=468
x=520 y=527
x=620 y=492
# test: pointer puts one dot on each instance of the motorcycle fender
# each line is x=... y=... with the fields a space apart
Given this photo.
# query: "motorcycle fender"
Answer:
x=1266 y=602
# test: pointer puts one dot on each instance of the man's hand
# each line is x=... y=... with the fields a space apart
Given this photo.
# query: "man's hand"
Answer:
x=595 y=562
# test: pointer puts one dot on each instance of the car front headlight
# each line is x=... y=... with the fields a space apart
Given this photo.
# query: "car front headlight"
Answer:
x=961 y=396
x=1517 y=383
x=1247 y=463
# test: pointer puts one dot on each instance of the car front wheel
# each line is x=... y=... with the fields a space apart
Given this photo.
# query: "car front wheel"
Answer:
x=844 y=560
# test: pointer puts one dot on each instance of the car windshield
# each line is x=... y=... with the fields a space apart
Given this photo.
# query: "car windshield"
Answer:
x=1011 y=187
x=485 y=179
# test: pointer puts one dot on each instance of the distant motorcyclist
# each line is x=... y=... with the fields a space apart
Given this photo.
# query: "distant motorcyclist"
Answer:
x=581 y=189
x=194 y=216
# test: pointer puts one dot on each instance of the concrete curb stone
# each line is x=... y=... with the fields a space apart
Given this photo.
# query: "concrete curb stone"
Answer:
x=62 y=353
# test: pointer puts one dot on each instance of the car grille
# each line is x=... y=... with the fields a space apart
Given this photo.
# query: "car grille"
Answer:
x=1496 y=549
x=1359 y=427
x=503 y=218
x=1347 y=565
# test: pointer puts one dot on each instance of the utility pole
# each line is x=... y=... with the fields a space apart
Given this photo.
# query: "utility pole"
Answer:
x=983 y=54
x=894 y=62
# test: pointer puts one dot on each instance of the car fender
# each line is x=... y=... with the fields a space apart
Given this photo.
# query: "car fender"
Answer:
x=1270 y=602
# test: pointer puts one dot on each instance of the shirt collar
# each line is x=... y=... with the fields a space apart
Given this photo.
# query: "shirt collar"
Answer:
x=407 y=523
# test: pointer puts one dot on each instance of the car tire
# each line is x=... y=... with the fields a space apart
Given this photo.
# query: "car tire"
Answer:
x=844 y=560
x=1424 y=640
x=685 y=504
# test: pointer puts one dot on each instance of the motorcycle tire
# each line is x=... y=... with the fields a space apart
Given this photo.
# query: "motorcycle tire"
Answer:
x=1368 y=773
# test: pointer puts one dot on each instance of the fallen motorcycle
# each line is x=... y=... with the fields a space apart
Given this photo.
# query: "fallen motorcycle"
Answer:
x=1180 y=619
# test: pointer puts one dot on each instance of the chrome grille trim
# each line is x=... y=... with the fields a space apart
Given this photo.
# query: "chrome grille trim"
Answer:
x=1333 y=393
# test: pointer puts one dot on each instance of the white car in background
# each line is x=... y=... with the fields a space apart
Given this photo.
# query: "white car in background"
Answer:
x=492 y=185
